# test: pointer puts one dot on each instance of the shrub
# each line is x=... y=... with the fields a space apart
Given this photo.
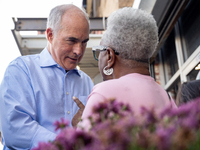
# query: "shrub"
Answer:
x=116 y=128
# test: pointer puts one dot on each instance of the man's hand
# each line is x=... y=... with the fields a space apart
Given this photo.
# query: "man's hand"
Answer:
x=78 y=115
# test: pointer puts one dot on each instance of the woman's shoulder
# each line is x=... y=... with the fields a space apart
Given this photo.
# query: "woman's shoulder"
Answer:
x=107 y=83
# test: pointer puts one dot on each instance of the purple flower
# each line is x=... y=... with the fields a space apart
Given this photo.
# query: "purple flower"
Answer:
x=128 y=121
x=114 y=127
x=111 y=109
x=71 y=138
x=164 y=137
x=46 y=146
x=100 y=107
x=101 y=126
x=190 y=121
x=61 y=124
x=149 y=116
x=190 y=108
x=118 y=107
x=169 y=111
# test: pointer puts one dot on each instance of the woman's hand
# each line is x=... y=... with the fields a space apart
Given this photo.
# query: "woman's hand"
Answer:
x=77 y=116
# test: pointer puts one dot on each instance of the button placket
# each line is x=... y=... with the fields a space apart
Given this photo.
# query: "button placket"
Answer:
x=67 y=97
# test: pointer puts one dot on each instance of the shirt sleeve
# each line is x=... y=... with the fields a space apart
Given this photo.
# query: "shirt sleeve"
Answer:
x=93 y=99
x=19 y=127
x=173 y=103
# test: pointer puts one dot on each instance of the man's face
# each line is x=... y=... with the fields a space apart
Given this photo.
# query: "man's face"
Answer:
x=68 y=46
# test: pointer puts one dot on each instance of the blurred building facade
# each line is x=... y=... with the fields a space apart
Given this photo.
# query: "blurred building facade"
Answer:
x=103 y=8
x=177 y=56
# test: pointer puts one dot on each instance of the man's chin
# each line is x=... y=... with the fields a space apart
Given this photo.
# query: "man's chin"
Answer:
x=70 y=68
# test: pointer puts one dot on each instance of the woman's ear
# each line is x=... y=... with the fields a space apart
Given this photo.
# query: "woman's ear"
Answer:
x=49 y=34
x=110 y=57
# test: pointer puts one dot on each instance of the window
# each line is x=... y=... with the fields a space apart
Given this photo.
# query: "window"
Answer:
x=189 y=24
x=192 y=75
x=157 y=69
x=169 y=57
x=173 y=90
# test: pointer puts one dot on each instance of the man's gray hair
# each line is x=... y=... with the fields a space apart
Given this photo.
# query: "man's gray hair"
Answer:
x=131 y=32
x=55 y=16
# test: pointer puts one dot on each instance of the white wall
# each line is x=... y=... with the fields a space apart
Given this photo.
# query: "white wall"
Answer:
x=1 y=146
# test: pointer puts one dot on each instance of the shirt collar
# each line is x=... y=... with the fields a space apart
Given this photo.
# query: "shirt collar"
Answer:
x=46 y=60
x=75 y=71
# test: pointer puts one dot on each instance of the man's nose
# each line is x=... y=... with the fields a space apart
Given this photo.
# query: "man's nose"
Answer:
x=78 y=48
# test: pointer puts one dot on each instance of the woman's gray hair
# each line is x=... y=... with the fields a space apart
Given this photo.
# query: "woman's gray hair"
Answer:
x=55 y=16
x=131 y=32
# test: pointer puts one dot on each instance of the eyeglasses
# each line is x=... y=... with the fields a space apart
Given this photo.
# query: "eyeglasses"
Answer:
x=97 y=49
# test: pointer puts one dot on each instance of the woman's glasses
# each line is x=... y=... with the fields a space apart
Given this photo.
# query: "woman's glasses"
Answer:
x=97 y=49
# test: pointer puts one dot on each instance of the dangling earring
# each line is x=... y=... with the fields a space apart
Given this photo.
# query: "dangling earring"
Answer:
x=108 y=71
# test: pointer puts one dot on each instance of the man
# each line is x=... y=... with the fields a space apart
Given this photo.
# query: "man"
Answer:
x=37 y=90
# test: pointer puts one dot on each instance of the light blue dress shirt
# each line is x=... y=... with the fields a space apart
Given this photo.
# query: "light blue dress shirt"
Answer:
x=34 y=93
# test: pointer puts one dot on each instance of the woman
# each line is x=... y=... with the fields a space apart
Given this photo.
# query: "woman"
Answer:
x=124 y=52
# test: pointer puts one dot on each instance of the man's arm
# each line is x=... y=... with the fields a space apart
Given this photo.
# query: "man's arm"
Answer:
x=19 y=127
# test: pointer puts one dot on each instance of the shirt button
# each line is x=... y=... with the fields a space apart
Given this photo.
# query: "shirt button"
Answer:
x=68 y=112
x=67 y=93
x=58 y=66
